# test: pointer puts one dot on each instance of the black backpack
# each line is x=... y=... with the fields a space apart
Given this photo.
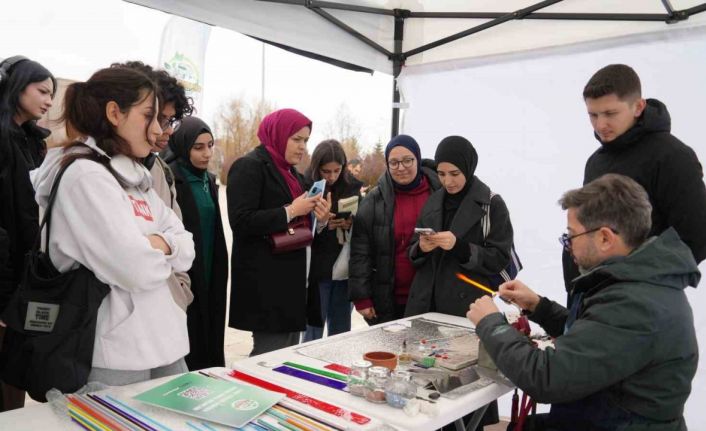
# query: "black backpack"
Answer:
x=51 y=321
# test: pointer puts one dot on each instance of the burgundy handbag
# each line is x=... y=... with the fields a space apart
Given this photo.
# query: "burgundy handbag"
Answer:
x=298 y=235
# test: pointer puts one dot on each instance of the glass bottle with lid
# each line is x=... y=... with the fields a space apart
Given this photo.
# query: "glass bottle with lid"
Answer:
x=357 y=377
x=400 y=389
x=377 y=379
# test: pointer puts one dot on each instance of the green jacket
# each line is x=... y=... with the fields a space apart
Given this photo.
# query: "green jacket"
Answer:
x=631 y=347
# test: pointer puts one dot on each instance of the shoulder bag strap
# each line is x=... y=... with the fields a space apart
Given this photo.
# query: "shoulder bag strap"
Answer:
x=485 y=221
x=46 y=219
x=485 y=224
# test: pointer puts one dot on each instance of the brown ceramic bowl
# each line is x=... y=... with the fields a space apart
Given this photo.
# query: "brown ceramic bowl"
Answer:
x=382 y=359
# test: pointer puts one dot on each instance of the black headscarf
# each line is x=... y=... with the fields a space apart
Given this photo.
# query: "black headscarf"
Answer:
x=458 y=151
x=184 y=138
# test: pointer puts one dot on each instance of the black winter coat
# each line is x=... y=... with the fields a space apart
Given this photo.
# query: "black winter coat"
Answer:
x=324 y=252
x=19 y=212
x=268 y=291
x=371 y=268
x=206 y=315
x=669 y=171
x=436 y=271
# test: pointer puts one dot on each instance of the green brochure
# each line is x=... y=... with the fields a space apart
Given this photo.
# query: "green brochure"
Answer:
x=219 y=401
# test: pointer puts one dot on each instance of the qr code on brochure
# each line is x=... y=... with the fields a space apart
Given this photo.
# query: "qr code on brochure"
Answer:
x=195 y=393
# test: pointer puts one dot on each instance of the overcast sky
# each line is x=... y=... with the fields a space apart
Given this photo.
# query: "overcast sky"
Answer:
x=73 y=38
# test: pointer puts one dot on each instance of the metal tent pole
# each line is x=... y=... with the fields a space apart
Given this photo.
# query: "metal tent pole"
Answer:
x=397 y=59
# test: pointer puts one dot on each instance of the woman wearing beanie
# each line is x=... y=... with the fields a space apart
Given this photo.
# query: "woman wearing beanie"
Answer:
x=380 y=270
x=197 y=195
x=455 y=214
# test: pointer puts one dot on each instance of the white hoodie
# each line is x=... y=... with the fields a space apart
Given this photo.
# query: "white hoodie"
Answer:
x=97 y=223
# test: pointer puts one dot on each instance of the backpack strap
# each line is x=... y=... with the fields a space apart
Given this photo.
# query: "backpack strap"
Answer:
x=485 y=225
x=485 y=221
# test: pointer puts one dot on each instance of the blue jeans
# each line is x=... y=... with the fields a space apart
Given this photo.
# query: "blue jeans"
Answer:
x=336 y=310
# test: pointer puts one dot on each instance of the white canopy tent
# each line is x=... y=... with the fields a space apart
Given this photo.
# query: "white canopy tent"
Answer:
x=513 y=87
x=316 y=26
x=385 y=35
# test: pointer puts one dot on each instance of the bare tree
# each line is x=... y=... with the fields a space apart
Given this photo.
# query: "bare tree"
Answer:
x=344 y=128
x=236 y=129
x=373 y=165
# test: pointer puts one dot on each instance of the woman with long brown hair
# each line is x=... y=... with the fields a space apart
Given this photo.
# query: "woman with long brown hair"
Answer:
x=107 y=218
x=328 y=302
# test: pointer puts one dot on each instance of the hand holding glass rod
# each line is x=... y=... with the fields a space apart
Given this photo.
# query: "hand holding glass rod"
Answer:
x=484 y=288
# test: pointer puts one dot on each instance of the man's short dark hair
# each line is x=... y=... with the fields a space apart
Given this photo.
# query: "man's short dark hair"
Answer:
x=354 y=162
x=613 y=201
x=618 y=79
x=170 y=91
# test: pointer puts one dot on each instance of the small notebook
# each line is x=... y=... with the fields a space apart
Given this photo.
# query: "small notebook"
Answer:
x=348 y=204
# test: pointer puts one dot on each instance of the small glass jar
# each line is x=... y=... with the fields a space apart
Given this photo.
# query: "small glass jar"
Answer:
x=377 y=379
x=400 y=389
x=405 y=356
x=357 y=377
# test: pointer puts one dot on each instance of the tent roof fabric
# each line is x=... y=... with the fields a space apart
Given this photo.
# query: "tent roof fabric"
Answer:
x=309 y=26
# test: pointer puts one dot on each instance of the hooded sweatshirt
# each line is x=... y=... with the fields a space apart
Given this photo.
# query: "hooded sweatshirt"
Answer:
x=627 y=347
x=103 y=226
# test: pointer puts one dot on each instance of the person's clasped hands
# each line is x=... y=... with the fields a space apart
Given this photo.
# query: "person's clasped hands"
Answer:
x=445 y=240
x=343 y=223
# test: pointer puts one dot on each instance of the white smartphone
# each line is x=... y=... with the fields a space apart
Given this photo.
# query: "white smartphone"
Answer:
x=317 y=188
x=424 y=230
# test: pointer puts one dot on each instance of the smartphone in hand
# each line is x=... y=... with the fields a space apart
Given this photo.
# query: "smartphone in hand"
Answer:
x=343 y=215
x=317 y=188
x=424 y=231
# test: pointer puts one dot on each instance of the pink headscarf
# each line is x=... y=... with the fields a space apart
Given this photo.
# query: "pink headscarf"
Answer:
x=274 y=132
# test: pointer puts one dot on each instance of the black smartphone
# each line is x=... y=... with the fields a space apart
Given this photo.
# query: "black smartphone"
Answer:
x=343 y=215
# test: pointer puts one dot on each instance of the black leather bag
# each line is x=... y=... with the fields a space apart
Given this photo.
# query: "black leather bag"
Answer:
x=51 y=322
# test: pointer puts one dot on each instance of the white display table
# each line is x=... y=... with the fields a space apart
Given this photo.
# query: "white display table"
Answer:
x=43 y=417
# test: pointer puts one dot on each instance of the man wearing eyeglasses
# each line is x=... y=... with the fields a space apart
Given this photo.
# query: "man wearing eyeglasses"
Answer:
x=636 y=141
x=625 y=353
x=174 y=105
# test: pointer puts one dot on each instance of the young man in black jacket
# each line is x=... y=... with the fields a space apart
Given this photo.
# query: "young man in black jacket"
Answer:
x=635 y=139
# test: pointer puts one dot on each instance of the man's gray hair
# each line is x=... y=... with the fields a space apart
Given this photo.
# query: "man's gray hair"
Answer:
x=613 y=201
